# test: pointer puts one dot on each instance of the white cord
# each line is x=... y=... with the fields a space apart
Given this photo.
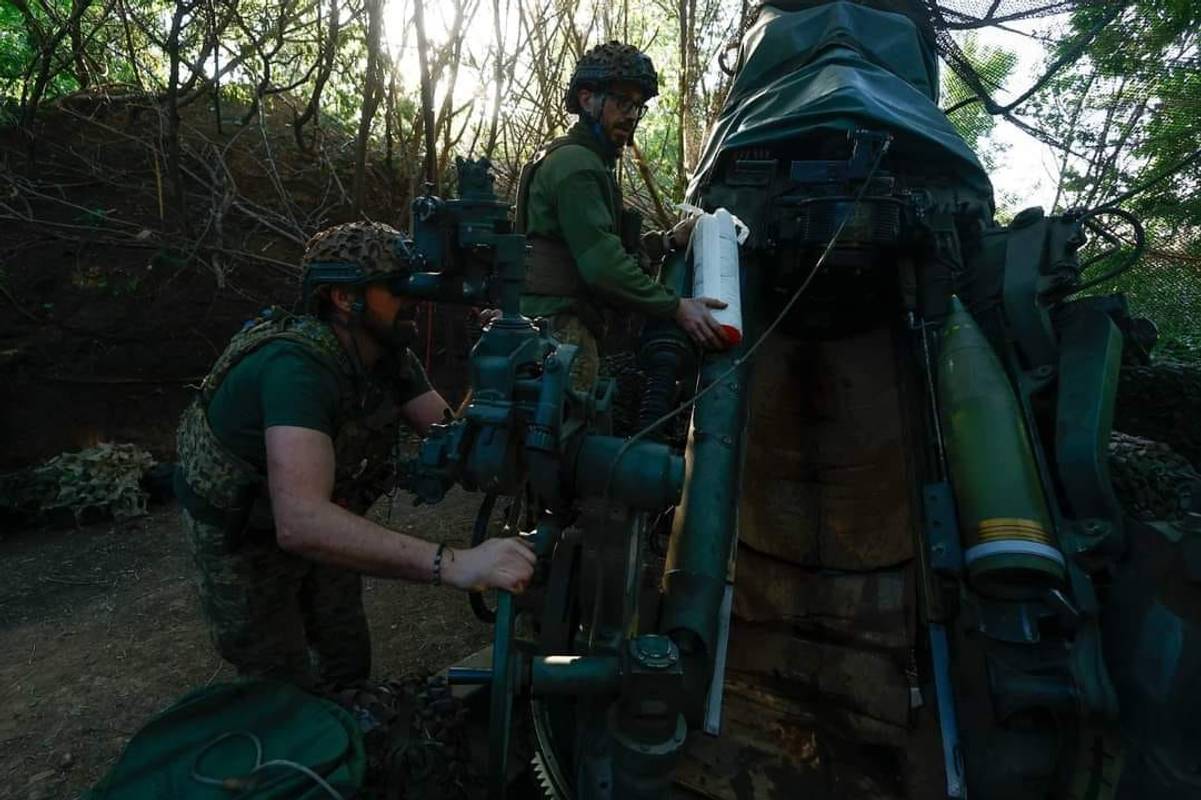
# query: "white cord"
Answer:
x=259 y=766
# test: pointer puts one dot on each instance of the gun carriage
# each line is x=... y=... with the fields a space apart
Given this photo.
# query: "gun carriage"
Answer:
x=895 y=564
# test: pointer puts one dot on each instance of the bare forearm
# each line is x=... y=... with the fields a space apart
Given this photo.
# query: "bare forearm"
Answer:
x=300 y=471
x=325 y=532
x=425 y=410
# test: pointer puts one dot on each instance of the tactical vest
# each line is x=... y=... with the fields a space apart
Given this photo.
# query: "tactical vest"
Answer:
x=220 y=488
x=550 y=268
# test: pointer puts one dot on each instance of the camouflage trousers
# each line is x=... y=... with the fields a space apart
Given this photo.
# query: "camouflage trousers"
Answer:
x=570 y=329
x=275 y=615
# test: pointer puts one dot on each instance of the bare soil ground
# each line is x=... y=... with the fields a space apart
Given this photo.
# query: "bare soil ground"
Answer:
x=100 y=629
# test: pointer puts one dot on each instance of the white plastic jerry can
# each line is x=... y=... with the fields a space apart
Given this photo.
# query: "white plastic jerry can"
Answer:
x=715 y=270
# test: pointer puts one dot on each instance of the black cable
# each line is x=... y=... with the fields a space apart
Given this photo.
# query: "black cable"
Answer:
x=1145 y=185
x=1140 y=242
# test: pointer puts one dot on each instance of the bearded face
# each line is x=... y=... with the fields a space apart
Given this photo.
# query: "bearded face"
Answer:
x=390 y=320
x=617 y=110
x=401 y=333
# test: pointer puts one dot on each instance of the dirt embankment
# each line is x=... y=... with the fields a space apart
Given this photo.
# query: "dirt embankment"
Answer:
x=111 y=308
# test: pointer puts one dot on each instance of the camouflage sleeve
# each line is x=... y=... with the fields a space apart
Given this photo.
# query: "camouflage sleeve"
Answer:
x=590 y=232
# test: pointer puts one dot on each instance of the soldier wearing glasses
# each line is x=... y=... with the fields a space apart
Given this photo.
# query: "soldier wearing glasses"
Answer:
x=585 y=247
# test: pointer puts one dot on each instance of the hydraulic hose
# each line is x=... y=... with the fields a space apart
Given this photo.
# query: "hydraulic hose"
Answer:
x=658 y=395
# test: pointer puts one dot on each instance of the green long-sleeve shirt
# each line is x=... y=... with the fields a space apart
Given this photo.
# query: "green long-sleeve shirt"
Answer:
x=574 y=198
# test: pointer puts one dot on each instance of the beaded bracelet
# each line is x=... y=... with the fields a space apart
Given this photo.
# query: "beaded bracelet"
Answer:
x=438 y=564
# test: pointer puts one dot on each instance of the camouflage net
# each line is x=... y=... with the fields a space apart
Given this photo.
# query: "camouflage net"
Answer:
x=1152 y=482
x=415 y=737
x=104 y=480
x=1162 y=402
x=1111 y=86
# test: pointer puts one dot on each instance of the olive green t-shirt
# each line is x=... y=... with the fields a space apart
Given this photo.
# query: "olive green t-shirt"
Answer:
x=285 y=383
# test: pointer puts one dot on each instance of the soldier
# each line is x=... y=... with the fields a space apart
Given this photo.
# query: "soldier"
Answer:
x=584 y=247
x=292 y=438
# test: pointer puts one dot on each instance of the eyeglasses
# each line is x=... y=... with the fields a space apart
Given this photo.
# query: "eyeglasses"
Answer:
x=628 y=105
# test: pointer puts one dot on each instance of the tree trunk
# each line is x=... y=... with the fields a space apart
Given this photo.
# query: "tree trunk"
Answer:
x=498 y=78
x=390 y=126
x=372 y=90
x=427 y=97
x=687 y=14
x=216 y=48
x=326 y=53
x=44 y=64
x=449 y=59
x=132 y=53
x=78 y=53
x=171 y=148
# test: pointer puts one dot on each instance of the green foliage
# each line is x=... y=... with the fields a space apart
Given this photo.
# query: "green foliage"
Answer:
x=971 y=120
x=14 y=57
x=660 y=146
x=1138 y=88
x=1132 y=108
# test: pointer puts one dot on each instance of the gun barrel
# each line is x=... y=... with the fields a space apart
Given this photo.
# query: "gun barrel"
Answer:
x=706 y=523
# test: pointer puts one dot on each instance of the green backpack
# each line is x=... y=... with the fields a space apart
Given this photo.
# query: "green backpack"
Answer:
x=252 y=739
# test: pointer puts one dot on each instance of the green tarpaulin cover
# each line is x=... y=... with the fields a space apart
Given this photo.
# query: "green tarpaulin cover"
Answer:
x=288 y=723
x=839 y=67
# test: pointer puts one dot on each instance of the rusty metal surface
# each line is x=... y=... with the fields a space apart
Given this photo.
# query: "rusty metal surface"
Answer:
x=825 y=482
x=775 y=749
x=825 y=601
x=818 y=698
x=874 y=609
x=868 y=682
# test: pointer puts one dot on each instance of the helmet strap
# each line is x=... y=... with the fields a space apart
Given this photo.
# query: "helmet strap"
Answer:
x=591 y=114
x=592 y=117
x=596 y=105
x=598 y=131
x=352 y=327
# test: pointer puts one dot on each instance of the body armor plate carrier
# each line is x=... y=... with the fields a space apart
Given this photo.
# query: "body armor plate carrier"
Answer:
x=218 y=487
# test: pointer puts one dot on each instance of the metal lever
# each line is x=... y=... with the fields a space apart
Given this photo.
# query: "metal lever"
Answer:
x=468 y=676
x=944 y=692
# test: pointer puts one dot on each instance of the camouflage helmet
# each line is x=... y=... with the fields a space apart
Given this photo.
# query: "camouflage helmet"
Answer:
x=351 y=254
x=612 y=62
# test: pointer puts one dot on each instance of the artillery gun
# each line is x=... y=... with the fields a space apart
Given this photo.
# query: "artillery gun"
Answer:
x=896 y=566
